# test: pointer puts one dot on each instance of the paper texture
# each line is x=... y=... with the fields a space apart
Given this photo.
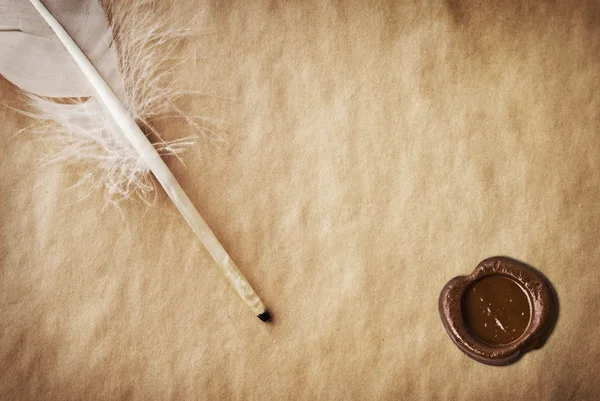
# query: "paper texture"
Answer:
x=375 y=150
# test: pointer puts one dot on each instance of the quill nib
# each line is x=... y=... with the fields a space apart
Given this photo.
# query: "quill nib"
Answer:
x=265 y=316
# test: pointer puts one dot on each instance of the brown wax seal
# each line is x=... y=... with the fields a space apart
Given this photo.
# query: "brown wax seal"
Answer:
x=500 y=311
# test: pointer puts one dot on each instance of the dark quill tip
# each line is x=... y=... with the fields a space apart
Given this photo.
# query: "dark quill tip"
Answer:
x=265 y=316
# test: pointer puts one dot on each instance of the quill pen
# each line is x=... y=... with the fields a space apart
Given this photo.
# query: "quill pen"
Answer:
x=151 y=158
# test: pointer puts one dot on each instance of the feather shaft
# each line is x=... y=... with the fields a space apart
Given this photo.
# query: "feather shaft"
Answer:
x=150 y=156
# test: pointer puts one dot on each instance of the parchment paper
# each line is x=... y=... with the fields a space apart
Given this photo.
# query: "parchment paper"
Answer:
x=375 y=150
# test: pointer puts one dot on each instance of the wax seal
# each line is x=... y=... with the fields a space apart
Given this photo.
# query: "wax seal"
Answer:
x=502 y=310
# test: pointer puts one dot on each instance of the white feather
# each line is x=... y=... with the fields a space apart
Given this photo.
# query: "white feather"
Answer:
x=105 y=129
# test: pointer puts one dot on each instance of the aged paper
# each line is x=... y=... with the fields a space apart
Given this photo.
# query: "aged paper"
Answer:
x=375 y=150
